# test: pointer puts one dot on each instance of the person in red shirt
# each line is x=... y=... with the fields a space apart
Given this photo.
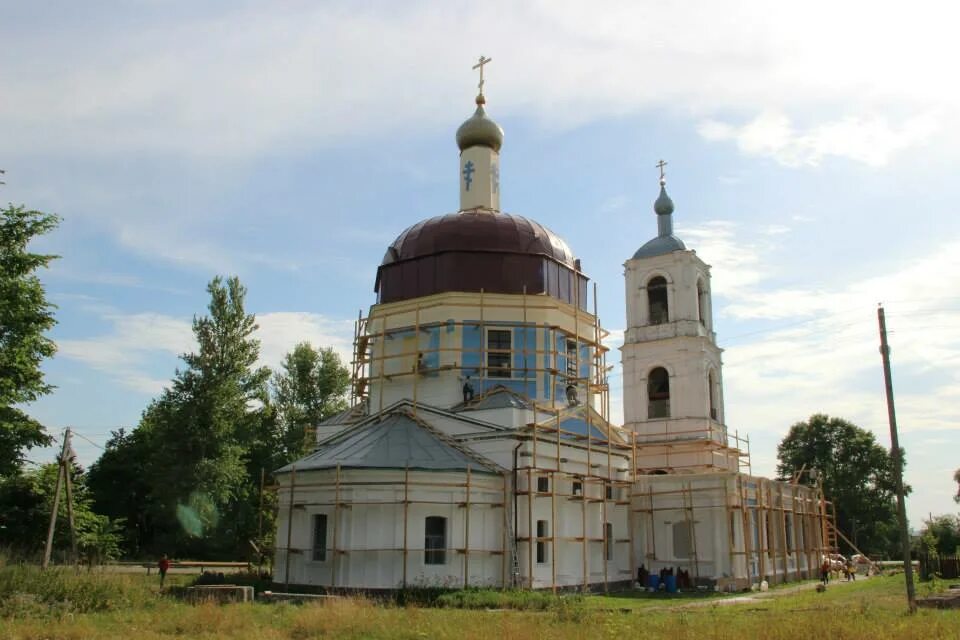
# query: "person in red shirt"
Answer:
x=163 y=564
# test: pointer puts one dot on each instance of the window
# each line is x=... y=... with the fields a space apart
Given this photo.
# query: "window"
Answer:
x=681 y=540
x=788 y=531
x=543 y=484
x=701 y=303
x=542 y=532
x=712 y=391
x=498 y=353
x=657 y=300
x=577 y=488
x=658 y=394
x=609 y=492
x=608 y=540
x=435 y=540
x=320 y=537
x=571 y=360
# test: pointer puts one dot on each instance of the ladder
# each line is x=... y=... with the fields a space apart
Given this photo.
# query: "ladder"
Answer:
x=514 y=555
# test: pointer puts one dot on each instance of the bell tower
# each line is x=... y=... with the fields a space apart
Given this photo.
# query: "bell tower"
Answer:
x=672 y=383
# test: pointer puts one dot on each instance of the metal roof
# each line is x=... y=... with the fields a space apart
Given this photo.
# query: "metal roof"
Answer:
x=397 y=442
x=659 y=246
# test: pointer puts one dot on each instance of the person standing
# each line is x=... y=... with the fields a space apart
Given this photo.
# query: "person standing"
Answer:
x=163 y=565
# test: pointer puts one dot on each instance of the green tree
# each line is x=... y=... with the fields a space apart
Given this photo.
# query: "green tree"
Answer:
x=311 y=387
x=942 y=535
x=26 y=499
x=25 y=316
x=956 y=478
x=856 y=472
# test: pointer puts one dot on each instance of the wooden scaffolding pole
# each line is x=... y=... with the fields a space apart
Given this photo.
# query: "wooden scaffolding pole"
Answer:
x=783 y=537
x=406 y=520
x=748 y=536
x=553 y=530
x=286 y=563
x=583 y=528
x=607 y=539
x=336 y=529
x=531 y=531
x=505 y=540
x=466 y=534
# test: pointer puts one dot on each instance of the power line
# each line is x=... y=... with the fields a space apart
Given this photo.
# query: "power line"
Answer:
x=80 y=435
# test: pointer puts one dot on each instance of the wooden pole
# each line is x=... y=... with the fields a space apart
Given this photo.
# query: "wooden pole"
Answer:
x=336 y=528
x=466 y=536
x=286 y=564
x=68 y=485
x=553 y=531
x=530 y=525
x=56 y=504
x=897 y=454
x=406 y=510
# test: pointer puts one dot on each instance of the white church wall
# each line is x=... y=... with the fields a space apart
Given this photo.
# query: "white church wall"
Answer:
x=365 y=542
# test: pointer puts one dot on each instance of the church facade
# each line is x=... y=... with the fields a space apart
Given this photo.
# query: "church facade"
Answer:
x=479 y=450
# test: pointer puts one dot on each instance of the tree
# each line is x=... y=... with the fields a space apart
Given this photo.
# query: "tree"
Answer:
x=856 y=472
x=25 y=502
x=956 y=478
x=311 y=388
x=25 y=316
x=941 y=536
x=184 y=478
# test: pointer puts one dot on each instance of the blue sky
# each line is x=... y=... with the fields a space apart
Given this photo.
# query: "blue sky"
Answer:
x=811 y=153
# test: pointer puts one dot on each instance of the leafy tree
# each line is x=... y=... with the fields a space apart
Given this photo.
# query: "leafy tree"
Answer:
x=25 y=316
x=956 y=478
x=311 y=388
x=26 y=500
x=942 y=535
x=856 y=472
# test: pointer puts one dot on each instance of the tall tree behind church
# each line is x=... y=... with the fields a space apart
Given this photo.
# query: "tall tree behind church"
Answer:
x=311 y=387
x=197 y=442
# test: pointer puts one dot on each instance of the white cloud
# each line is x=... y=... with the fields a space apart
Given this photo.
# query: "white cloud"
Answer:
x=870 y=140
x=126 y=353
x=233 y=83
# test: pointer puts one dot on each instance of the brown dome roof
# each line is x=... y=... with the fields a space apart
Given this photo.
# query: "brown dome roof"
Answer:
x=478 y=231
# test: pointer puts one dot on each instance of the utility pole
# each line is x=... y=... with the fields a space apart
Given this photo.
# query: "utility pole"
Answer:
x=56 y=502
x=65 y=466
x=897 y=455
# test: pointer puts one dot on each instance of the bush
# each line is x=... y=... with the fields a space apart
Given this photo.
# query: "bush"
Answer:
x=25 y=590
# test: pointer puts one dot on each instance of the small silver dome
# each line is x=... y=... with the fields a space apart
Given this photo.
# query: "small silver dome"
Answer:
x=479 y=130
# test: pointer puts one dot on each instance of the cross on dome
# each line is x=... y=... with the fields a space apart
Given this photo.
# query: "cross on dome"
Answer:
x=483 y=60
x=660 y=165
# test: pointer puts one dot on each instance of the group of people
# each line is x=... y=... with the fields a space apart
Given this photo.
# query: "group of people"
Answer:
x=847 y=567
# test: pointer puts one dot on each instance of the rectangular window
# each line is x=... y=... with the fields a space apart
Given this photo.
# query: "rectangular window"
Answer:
x=608 y=540
x=543 y=484
x=320 y=537
x=609 y=491
x=681 y=540
x=435 y=540
x=577 y=488
x=571 y=360
x=542 y=532
x=498 y=353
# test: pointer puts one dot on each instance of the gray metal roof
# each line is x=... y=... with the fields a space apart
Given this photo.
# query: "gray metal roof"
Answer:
x=499 y=397
x=661 y=245
x=397 y=442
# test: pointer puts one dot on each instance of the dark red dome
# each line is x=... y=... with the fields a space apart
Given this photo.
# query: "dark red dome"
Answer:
x=479 y=250
x=478 y=231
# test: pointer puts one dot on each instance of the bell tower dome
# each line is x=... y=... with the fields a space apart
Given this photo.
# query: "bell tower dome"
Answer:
x=672 y=383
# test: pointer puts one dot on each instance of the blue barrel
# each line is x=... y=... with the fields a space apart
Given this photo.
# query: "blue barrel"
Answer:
x=653 y=581
x=671 y=582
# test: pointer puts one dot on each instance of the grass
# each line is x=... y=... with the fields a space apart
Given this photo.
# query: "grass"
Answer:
x=66 y=606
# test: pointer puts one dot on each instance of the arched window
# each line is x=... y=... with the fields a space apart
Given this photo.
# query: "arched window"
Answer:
x=701 y=303
x=658 y=394
x=435 y=540
x=657 y=300
x=712 y=391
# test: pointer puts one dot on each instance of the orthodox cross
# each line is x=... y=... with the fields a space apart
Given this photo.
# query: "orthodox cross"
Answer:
x=660 y=165
x=468 y=170
x=479 y=65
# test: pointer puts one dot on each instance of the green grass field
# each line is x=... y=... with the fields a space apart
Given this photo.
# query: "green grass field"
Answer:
x=59 y=604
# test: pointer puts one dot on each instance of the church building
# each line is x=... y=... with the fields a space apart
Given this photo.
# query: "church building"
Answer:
x=479 y=451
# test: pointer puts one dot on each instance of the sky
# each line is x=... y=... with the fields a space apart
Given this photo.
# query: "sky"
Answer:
x=811 y=150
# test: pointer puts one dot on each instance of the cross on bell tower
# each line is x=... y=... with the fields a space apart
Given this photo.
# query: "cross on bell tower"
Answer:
x=479 y=65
